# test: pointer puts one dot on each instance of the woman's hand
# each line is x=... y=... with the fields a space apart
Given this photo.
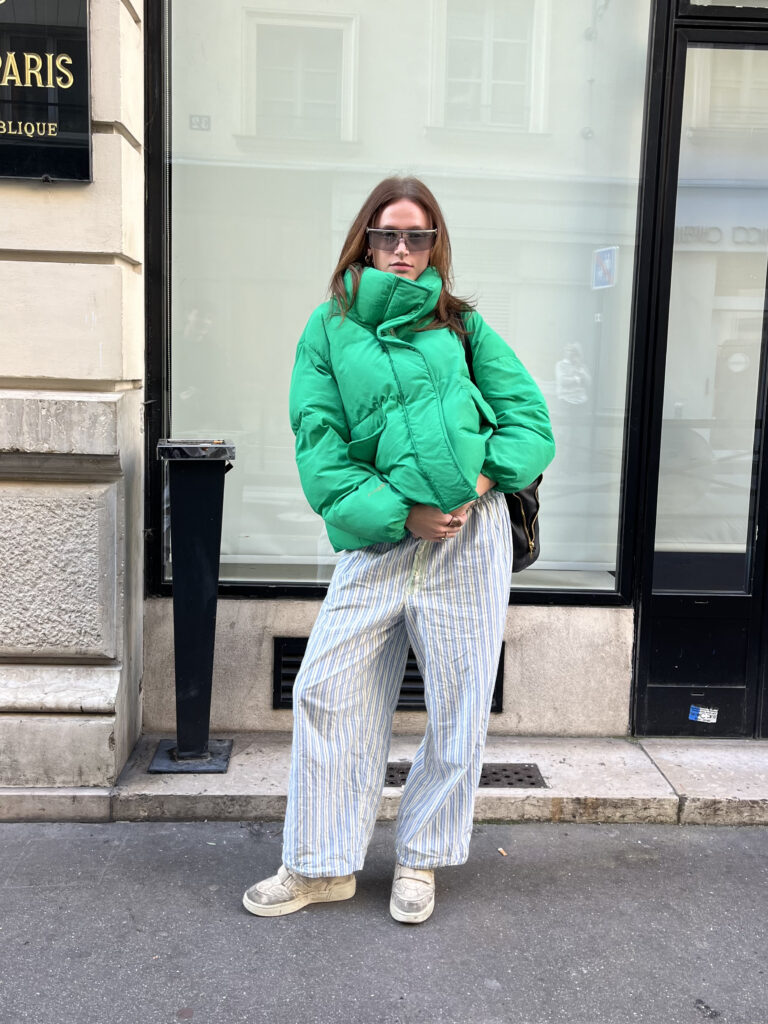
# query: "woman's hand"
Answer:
x=428 y=523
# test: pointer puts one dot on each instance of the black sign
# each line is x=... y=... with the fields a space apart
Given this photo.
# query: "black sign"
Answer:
x=44 y=90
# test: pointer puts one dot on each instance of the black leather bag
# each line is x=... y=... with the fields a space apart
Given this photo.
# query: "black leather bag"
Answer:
x=523 y=507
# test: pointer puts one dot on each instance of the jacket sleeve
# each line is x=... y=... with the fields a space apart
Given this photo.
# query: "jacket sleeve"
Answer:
x=522 y=445
x=348 y=493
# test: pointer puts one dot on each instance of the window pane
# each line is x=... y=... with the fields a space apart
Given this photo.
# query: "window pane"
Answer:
x=262 y=201
x=297 y=68
x=510 y=62
x=463 y=103
x=707 y=475
x=512 y=18
x=465 y=59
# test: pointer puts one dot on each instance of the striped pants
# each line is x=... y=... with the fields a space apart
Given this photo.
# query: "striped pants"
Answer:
x=449 y=600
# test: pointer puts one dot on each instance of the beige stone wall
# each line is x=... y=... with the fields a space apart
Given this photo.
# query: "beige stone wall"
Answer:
x=71 y=441
x=567 y=671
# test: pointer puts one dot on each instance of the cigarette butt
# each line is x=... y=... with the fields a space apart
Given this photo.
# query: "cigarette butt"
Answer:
x=502 y=851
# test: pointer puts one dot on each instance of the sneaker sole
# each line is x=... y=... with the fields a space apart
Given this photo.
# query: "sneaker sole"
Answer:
x=417 y=918
x=337 y=893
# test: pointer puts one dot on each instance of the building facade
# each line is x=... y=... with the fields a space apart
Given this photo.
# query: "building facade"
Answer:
x=602 y=165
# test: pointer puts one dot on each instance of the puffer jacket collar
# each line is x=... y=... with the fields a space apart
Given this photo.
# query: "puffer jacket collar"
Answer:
x=385 y=301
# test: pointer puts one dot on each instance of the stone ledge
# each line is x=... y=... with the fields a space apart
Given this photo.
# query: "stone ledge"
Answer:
x=718 y=781
x=57 y=422
x=59 y=689
x=55 y=804
x=604 y=780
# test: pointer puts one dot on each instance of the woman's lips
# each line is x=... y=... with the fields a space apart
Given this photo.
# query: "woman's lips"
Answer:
x=401 y=266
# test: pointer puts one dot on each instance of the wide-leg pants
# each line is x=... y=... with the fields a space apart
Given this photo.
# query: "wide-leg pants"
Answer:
x=449 y=600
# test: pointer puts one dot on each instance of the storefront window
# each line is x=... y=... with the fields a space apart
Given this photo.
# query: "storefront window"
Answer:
x=524 y=118
x=707 y=484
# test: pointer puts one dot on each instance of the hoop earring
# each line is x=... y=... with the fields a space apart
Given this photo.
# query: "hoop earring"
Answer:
x=368 y=259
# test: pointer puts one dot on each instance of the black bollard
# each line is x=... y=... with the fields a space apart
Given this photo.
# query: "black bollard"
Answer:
x=196 y=482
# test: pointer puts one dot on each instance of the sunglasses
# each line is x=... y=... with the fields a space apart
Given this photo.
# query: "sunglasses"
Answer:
x=388 y=239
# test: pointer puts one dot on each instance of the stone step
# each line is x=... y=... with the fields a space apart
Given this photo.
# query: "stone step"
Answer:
x=607 y=780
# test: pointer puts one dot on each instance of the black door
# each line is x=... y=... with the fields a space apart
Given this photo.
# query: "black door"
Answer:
x=701 y=615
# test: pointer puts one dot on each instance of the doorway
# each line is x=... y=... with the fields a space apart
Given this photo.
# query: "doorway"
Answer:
x=701 y=620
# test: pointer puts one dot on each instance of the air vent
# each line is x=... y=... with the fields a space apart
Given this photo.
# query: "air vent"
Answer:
x=289 y=650
x=497 y=776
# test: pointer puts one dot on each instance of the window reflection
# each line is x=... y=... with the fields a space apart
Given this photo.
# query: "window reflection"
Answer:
x=529 y=134
x=298 y=82
x=488 y=62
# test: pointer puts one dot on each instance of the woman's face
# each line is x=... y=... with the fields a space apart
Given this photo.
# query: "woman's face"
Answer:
x=404 y=215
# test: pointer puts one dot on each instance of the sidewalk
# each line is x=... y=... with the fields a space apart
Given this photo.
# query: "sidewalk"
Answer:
x=665 y=781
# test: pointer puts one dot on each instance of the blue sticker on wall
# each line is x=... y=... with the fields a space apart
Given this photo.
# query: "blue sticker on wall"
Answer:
x=699 y=714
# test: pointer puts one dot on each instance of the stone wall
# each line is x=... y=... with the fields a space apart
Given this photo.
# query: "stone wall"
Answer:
x=567 y=671
x=71 y=441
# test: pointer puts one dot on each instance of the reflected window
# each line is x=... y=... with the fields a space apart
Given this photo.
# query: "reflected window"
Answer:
x=300 y=72
x=730 y=90
x=488 y=60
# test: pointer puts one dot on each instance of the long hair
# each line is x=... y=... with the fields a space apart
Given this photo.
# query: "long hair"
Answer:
x=449 y=309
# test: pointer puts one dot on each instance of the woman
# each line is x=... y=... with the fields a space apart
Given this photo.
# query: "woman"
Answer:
x=404 y=458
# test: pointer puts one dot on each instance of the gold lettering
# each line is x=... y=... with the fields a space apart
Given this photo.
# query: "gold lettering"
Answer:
x=65 y=79
x=11 y=71
x=49 y=71
x=33 y=62
x=38 y=129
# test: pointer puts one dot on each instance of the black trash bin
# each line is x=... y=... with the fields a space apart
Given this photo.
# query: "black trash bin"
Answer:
x=196 y=481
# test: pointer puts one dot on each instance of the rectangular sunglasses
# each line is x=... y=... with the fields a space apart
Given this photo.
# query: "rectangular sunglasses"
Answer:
x=387 y=239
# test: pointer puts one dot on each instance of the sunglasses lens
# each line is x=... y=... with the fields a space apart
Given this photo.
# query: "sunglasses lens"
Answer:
x=418 y=241
x=387 y=241
x=384 y=240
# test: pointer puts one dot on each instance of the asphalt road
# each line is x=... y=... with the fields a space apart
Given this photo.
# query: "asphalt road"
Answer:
x=142 y=924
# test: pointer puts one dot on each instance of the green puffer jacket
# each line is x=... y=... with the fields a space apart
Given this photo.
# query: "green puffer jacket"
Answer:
x=386 y=417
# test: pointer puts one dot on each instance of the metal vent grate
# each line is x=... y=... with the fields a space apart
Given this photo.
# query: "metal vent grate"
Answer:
x=498 y=776
x=289 y=650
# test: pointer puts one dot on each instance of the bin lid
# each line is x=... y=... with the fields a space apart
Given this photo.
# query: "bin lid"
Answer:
x=183 y=448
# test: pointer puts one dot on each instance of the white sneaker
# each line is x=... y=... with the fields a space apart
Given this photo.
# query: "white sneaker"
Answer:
x=413 y=894
x=288 y=891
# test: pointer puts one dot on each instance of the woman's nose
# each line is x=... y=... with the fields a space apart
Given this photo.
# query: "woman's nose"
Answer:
x=401 y=244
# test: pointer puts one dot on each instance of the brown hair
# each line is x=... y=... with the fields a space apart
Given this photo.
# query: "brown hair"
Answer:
x=449 y=309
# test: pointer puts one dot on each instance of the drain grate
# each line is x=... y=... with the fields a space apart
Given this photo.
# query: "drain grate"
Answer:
x=498 y=776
